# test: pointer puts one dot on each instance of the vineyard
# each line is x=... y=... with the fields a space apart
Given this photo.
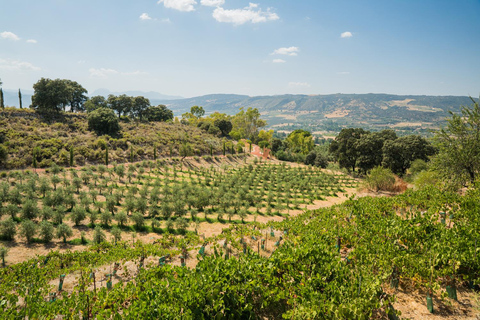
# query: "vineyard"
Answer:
x=344 y=262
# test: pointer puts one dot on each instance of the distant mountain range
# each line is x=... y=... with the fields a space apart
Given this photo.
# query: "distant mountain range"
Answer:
x=322 y=113
x=330 y=113
x=151 y=95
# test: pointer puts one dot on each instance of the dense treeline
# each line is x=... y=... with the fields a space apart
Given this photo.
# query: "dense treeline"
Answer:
x=356 y=148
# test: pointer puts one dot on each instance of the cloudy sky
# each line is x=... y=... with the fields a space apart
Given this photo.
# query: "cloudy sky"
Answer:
x=264 y=47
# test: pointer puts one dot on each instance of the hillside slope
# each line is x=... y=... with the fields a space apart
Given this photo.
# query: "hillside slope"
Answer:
x=24 y=130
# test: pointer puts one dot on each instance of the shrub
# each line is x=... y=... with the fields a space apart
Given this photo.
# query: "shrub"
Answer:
x=8 y=229
x=64 y=231
x=380 y=178
x=105 y=218
x=310 y=158
x=3 y=254
x=121 y=218
x=181 y=223
x=417 y=166
x=98 y=235
x=321 y=161
x=425 y=178
x=138 y=219
x=28 y=229
x=116 y=233
x=46 y=231
x=78 y=215
x=3 y=155
x=103 y=121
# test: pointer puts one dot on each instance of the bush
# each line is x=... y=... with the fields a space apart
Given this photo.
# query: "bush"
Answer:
x=310 y=158
x=321 y=161
x=78 y=215
x=3 y=155
x=116 y=233
x=46 y=231
x=417 y=166
x=425 y=178
x=121 y=218
x=380 y=178
x=103 y=121
x=29 y=209
x=138 y=219
x=106 y=218
x=3 y=254
x=64 y=231
x=98 y=235
x=28 y=229
x=8 y=229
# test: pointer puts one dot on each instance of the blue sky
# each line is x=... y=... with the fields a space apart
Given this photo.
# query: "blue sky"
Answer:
x=263 y=47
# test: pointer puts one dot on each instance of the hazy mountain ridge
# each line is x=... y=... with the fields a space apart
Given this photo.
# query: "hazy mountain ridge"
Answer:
x=331 y=102
x=151 y=95
x=330 y=113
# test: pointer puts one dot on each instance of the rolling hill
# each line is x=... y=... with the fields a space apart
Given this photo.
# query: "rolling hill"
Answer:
x=330 y=113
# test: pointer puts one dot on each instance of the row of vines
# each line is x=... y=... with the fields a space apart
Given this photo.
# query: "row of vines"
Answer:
x=343 y=262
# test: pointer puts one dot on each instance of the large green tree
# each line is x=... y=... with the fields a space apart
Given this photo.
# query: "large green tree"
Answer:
x=158 y=113
x=345 y=147
x=53 y=96
x=246 y=124
x=399 y=154
x=95 y=102
x=76 y=96
x=121 y=104
x=224 y=125
x=300 y=141
x=370 y=149
x=459 y=145
x=139 y=106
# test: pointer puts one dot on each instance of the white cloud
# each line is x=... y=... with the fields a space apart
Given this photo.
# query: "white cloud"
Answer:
x=346 y=34
x=241 y=16
x=166 y=20
x=9 y=35
x=180 y=5
x=8 y=64
x=343 y=72
x=31 y=41
x=212 y=3
x=145 y=16
x=299 y=84
x=104 y=73
x=291 y=51
x=278 y=61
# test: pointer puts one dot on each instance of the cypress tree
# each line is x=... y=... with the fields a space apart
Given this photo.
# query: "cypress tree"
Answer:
x=106 y=155
x=154 y=152
x=224 y=148
x=34 y=158
x=71 y=156
x=131 y=153
x=2 y=104
x=20 y=98
x=233 y=148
